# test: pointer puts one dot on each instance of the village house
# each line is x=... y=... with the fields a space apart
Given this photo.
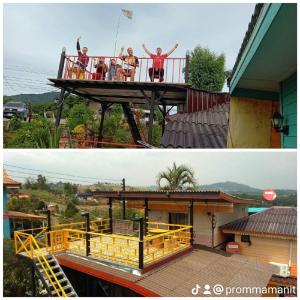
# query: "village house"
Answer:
x=13 y=220
x=263 y=84
x=269 y=236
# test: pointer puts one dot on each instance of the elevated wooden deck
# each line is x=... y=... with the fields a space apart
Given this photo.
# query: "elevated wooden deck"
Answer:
x=172 y=94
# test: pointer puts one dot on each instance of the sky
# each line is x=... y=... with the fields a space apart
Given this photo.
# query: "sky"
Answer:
x=34 y=34
x=258 y=169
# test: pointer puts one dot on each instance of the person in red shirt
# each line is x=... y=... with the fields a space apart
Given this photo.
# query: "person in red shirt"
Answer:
x=157 y=69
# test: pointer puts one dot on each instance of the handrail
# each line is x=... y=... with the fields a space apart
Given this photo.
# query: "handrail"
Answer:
x=149 y=238
x=171 y=71
x=112 y=247
x=34 y=247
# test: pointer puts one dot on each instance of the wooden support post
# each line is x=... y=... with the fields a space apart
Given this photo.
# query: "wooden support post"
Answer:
x=61 y=96
x=100 y=134
x=146 y=216
x=131 y=122
x=186 y=69
x=191 y=206
x=61 y=63
x=151 y=117
x=87 y=230
x=124 y=208
x=110 y=215
x=124 y=200
x=60 y=105
x=141 y=244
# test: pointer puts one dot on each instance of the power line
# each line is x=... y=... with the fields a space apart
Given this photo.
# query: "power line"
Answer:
x=63 y=174
x=53 y=177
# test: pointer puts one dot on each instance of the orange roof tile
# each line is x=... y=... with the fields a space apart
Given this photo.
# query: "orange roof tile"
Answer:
x=8 y=181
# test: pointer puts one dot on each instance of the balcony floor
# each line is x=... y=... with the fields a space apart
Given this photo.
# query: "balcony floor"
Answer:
x=124 y=91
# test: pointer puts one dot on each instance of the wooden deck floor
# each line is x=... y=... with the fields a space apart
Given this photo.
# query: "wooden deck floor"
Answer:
x=124 y=91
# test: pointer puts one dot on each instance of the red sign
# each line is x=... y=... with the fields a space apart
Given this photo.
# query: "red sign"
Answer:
x=269 y=195
x=233 y=247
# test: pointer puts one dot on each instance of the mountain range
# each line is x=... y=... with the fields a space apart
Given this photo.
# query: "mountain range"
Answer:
x=33 y=98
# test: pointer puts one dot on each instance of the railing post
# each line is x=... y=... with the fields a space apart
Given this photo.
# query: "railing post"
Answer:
x=87 y=230
x=146 y=216
x=141 y=244
x=61 y=63
x=186 y=69
x=123 y=200
x=191 y=206
x=110 y=215
x=48 y=232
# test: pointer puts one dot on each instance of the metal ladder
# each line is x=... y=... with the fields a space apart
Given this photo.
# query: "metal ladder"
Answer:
x=59 y=274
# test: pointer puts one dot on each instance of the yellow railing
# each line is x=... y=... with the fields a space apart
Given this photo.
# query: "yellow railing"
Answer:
x=161 y=240
x=112 y=247
x=25 y=242
x=168 y=239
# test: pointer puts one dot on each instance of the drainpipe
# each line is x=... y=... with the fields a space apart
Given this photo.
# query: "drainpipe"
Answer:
x=290 y=252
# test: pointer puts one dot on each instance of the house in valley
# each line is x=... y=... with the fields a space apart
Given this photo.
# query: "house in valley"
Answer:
x=263 y=84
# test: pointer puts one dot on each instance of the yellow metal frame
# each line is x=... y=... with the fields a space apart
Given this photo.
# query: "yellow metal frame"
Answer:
x=162 y=240
x=32 y=249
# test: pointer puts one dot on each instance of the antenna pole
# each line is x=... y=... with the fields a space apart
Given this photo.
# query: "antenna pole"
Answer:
x=117 y=33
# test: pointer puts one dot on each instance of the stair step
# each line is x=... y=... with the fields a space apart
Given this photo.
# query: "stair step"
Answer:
x=59 y=274
x=51 y=284
x=67 y=289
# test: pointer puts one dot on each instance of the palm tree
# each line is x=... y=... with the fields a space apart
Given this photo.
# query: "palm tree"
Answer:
x=178 y=178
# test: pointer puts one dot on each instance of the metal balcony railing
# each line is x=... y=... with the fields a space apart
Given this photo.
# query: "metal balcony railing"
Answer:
x=173 y=69
x=154 y=242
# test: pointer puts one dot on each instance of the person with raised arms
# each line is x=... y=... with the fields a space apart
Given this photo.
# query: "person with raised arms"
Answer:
x=157 y=69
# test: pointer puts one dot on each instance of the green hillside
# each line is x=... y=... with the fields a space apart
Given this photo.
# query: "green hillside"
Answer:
x=32 y=98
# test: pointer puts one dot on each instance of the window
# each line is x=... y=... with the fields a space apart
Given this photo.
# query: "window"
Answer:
x=178 y=218
x=245 y=238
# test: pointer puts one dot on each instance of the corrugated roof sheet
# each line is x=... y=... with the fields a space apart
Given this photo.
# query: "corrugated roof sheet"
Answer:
x=251 y=26
x=277 y=220
x=23 y=216
x=203 y=129
x=178 y=277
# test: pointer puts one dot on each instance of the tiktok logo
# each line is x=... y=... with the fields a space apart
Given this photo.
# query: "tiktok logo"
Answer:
x=196 y=289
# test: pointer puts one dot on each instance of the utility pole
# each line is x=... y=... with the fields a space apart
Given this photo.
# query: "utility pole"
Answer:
x=124 y=200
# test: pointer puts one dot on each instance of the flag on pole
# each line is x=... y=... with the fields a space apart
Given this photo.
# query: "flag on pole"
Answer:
x=127 y=13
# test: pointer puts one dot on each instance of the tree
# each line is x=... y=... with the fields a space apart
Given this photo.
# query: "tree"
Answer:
x=70 y=189
x=79 y=114
x=177 y=178
x=71 y=210
x=207 y=70
x=41 y=183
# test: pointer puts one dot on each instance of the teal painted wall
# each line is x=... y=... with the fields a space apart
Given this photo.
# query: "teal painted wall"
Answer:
x=6 y=225
x=288 y=99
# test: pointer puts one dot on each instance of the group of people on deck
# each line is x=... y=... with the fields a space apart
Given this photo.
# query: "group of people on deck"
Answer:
x=115 y=70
